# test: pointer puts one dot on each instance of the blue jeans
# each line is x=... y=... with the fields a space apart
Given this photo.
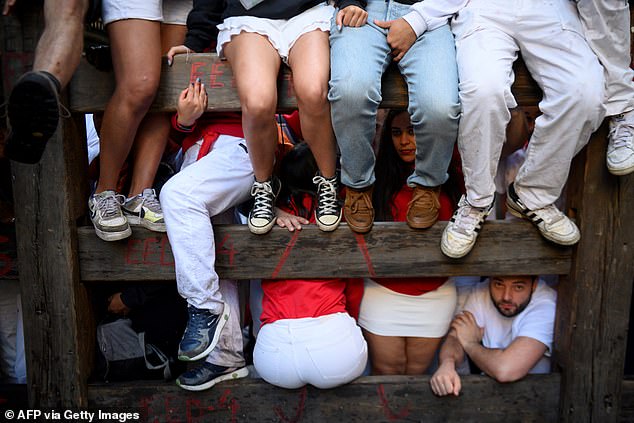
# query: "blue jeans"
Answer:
x=359 y=57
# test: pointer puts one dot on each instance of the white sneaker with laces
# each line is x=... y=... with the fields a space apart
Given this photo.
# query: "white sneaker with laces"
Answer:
x=620 y=153
x=328 y=212
x=262 y=216
x=461 y=232
x=105 y=212
x=551 y=222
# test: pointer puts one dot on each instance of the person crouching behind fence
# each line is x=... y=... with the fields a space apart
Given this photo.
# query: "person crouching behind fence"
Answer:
x=506 y=329
x=307 y=334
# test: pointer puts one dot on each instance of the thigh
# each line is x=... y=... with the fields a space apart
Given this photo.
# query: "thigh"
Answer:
x=172 y=35
x=420 y=354
x=387 y=353
x=309 y=60
x=119 y=10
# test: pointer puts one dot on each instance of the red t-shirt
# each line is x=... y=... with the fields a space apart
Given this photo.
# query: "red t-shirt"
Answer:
x=299 y=298
x=414 y=286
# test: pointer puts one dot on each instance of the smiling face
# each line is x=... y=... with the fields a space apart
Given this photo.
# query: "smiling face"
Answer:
x=511 y=294
x=403 y=137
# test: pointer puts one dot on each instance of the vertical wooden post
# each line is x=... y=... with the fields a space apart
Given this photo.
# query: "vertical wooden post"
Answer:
x=57 y=321
x=594 y=302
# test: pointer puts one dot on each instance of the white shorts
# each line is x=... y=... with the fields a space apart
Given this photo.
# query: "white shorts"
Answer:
x=388 y=313
x=167 y=11
x=281 y=33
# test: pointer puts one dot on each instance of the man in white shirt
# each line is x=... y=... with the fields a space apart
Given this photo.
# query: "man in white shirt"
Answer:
x=506 y=329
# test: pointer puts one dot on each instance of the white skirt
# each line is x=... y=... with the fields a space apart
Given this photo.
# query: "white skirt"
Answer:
x=388 y=313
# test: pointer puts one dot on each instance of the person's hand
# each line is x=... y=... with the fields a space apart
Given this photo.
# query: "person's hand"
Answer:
x=117 y=306
x=353 y=16
x=289 y=221
x=400 y=36
x=176 y=50
x=446 y=380
x=8 y=7
x=467 y=330
x=192 y=103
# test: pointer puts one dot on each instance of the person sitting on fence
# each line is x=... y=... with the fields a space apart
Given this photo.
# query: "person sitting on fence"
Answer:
x=360 y=53
x=403 y=319
x=506 y=329
x=34 y=104
x=606 y=25
x=489 y=34
x=256 y=41
x=154 y=25
x=308 y=334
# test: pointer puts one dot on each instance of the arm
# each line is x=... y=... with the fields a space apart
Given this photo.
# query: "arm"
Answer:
x=445 y=380
x=201 y=27
x=504 y=365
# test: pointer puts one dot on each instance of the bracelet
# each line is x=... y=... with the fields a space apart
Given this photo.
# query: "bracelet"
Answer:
x=179 y=127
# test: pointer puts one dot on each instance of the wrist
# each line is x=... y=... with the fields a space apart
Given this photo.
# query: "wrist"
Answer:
x=182 y=125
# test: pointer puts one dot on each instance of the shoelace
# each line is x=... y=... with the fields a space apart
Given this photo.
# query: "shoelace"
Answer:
x=149 y=199
x=263 y=199
x=425 y=197
x=327 y=196
x=622 y=134
x=197 y=321
x=467 y=217
x=110 y=205
x=357 y=199
x=549 y=214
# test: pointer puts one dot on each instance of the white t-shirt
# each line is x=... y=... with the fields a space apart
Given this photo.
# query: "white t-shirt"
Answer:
x=536 y=321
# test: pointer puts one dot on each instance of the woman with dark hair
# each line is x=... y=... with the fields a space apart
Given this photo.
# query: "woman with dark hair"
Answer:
x=403 y=319
x=308 y=334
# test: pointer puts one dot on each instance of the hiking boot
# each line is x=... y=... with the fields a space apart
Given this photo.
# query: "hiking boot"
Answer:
x=620 y=154
x=105 y=212
x=422 y=211
x=202 y=333
x=551 y=222
x=145 y=210
x=328 y=212
x=34 y=115
x=461 y=232
x=207 y=375
x=262 y=215
x=358 y=209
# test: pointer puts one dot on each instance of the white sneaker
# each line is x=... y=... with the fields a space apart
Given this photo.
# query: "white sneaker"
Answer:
x=620 y=154
x=262 y=216
x=105 y=212
x=328 y=211
x=145 y=210
x=461 y=233
x=551 y=222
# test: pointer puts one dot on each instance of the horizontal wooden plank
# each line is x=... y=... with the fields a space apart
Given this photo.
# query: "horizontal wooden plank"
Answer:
x=91 y=89
x=390 y=249
x=368 y=399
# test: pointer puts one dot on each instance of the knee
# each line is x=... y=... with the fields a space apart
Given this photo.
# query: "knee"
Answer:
x=258 y=107
x=585 y=97
x=349 y=95
x=138 y=91
x=312 y=98
x=438 y=111
x=485 y=92
x=67 y=11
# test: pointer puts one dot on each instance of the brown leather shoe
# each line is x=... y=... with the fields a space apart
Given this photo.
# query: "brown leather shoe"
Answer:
x=358 y=209
x=422 y=211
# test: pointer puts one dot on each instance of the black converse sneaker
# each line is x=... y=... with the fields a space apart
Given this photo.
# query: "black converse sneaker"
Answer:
x=262 y=216
x=328 y=212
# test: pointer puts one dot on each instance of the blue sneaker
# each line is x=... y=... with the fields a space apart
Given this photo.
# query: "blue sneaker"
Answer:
x=207 y=375
x=202 y=333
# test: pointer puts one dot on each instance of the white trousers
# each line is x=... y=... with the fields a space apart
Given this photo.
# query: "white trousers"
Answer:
x=325 y=351
x=606 y=24
x=206 y=189
x=489 y=34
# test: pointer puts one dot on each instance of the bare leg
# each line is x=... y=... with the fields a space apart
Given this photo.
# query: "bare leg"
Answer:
x=255 y=64
x=387 y=353
x=137 y=68
x=153 y=132
x=420 y=353
x=309 y=60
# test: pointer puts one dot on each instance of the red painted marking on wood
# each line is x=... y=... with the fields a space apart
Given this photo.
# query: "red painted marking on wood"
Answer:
x=363 y=247
x=216 y=71
x=299 y=409
x=132 y=251
x=391 y=416
x=165 y=247
x=196 y=71
x=285 y=254
x=149 y=250
x=225 y=248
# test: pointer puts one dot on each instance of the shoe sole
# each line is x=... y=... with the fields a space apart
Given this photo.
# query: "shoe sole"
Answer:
x=144 y=223
x=519 y=214
x=425 y=225
x=226 y=311
x=621 y=172
x=113 y=236
x=453 y=255
x=359 y=229
x=261 y=230
x=34 y=116
x=236 y=374
x=328 y=228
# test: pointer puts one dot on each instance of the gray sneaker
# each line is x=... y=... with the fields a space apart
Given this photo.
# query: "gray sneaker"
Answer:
x=145 y=210
x=620 y=153
x=207 y=375
x=105 y=212
x=551 y=222
x=461 y=232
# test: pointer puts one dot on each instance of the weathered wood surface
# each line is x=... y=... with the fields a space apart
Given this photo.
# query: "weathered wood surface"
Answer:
x=58 y=325
x=91 y=89
x=390 y=249
x=594 y=302
x=368 y=399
